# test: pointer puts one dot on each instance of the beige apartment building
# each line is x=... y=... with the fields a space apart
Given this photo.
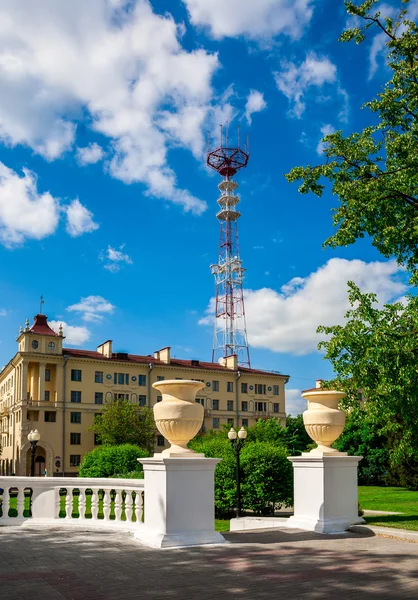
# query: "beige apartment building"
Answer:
x=60 y=390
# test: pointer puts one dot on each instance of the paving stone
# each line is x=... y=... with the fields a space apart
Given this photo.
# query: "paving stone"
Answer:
x=74 y=565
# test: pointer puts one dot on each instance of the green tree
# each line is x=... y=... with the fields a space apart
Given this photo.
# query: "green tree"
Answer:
x=122 y=422
x=374 y=172
x=376 y=352
x=111 y=461
x=293 y=436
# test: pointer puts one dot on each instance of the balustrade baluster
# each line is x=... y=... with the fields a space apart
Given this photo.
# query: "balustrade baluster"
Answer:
x=118 y=505
x=6 y=503
x=82 y=503
x=20 y=501
x=69 y=503
x=128 y=506
x=94 y=503
x=106 y=504
x=57 y=503
x=138 y=506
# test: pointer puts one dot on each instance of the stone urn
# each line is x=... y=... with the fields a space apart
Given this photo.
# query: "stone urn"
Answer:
x=324 y=421
x=178 y=416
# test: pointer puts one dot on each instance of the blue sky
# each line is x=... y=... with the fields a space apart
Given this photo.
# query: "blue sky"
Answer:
x=106 y=205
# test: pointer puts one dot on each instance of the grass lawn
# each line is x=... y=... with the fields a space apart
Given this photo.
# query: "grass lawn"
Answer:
x=391 y=499
x=221 y=525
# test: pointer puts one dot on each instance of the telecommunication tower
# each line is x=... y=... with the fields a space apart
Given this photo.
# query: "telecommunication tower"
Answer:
x=230 y=336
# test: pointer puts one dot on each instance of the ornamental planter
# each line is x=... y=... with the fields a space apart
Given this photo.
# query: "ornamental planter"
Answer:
x=324 y=421
x=178 y=416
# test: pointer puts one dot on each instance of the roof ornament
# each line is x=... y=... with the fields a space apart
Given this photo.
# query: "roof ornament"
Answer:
x=27 y=325
x=20 y=329
x=42 y=303
x=60 y=330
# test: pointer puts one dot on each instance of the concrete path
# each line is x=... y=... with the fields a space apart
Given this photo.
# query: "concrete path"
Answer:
x=58 y=564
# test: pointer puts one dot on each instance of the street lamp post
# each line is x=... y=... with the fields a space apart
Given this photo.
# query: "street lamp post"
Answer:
x=237 y=441
x=33 y=437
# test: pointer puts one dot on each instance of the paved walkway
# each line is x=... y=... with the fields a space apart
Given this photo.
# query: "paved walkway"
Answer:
x=74 y=565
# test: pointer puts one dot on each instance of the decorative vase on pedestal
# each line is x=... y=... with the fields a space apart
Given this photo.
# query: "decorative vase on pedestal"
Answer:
x=324 y=421
x=178 y=416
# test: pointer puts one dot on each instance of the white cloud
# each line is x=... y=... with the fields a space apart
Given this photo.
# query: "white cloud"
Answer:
x=74 y=335
x=255 y=103
x=79 y=219
x=295 y=404
x=27 y=214
x=253 y=19
x=115 y=257
x=92 y=308
x=294 y=81
x=89 y=155
x=117 y=64
x=287 y=321
x=325 y=130
x=24 y=213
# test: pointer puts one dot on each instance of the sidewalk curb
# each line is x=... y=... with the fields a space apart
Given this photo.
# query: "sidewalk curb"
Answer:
x=399 y=534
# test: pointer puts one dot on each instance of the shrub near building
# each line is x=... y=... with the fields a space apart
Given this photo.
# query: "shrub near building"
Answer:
x=113 y=461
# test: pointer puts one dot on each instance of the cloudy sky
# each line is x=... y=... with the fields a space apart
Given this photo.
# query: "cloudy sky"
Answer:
x=106 y=206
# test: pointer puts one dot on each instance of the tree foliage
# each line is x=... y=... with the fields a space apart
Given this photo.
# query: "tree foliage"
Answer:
x=376 y=353
x=293 y=436
x=374 y=173
x=123 y=422
x=111 y=461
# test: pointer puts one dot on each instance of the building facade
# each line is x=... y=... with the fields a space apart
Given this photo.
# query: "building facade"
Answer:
x=59 y=391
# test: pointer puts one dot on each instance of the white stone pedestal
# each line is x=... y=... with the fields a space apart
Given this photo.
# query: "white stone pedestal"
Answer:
x=326 y=495
x=179 y=502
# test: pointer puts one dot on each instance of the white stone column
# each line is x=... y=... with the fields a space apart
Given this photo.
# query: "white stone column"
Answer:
x=179 y=502
x=41 y=382
x=326 y=494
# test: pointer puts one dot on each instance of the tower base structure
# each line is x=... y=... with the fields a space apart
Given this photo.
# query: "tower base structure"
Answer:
x=179 y=502
x=326 y=493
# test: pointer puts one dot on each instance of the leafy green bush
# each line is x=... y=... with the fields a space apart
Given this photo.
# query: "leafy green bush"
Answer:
x=267 y=477
x=266 y=474
x=108 y=461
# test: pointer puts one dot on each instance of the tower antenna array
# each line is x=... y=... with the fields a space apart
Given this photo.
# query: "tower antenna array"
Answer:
x=230 y=336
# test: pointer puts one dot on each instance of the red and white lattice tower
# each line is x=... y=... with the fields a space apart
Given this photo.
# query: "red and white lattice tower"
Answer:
x=230 y=335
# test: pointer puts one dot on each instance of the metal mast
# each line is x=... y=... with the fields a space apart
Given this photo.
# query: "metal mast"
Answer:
x=230 y=336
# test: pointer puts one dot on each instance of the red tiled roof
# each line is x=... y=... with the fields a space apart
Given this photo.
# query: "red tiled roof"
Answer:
x=174 y=362
x=40 y=325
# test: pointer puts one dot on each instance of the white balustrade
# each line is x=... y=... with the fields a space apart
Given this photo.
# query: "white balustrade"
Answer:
x=114 y=503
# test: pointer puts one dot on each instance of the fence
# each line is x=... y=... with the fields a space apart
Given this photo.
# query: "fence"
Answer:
x=109 y=503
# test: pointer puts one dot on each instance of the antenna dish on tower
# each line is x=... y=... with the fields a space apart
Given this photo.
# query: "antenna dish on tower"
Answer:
x=227 y=160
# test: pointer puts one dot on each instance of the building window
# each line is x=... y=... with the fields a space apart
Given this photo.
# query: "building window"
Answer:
x=230 y=422
x=97 y=440
x=50 y=416
x=215 y=404
x=98 y=397
x=33 y=415
x=276 y=407
x=142 y=380
x=261 y=406
x=119 y=396
x=35 y=344
x=244 y=388
x=160 y=378
x=215 y=423
x=51 y=346
x=245 y=422
x=201 y=401
x=75 y=417
x=47 y=396
x=75 y=374
x=47 y=375
x=142 y=400
x=75 y=396
x=75 y=439
x=75 y=460
x=244 y=406
x=230 y=405
x=121 y=378
x=159 y=398
x=275 y=390
x=260 y=388
x=160 y=440
x=98 y=377
x=215 y=386
x=230 y=386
